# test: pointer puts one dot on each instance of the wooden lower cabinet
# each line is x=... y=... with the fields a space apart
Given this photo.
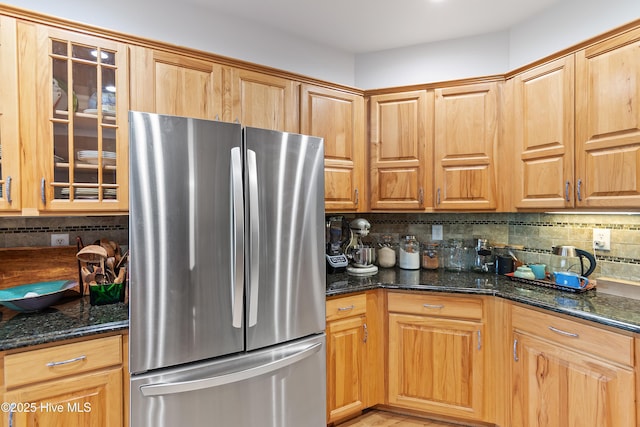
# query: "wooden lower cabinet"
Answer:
x=72 y=385
x=436 y=354
x=347 y=335
x=566 y=373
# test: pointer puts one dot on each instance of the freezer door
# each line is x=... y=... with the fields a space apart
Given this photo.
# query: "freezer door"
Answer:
x=186 y=240
x=279 y=387
x=284 y=192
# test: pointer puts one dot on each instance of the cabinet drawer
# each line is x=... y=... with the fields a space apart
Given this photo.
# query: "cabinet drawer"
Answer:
x=347 y=306
x=575 y=335
x=66 y=359
x=436 y=305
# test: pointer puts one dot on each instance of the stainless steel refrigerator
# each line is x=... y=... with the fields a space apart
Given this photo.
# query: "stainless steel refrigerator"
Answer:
x=227 y=275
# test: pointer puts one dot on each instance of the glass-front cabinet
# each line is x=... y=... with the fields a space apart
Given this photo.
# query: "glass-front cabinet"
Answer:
x=80 y=140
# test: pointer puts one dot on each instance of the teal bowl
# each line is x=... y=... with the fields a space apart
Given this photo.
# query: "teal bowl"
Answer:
x=34 y=296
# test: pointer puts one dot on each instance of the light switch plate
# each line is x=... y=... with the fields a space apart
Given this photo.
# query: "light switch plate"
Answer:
x=436 y=232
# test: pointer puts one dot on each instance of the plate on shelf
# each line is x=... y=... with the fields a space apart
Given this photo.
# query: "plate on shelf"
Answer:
x=90 y=193
x=95 y=111
x=90 y=157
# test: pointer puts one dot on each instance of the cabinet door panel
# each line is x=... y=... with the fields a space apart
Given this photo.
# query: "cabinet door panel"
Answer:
x=466 y=133
x=556 y=387
x=345 y=367
x=401 y=150
x=338 y=117
x=89 y=400
x=166 y=83
x=436 y=365
x=544 y=135
x=264 y=101
x=608 y=123
x=9 y=132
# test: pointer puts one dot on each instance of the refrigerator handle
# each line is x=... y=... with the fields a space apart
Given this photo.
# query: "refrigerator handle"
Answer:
x=254 y=235
x=233 y=377
x=237 y=238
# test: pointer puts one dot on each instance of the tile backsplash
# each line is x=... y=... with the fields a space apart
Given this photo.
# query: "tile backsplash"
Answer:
x=536 y=232
x=36 y=231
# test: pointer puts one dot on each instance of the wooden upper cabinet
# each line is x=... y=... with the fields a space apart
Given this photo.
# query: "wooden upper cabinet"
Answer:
x=608 y=123
x=175 y=84
x=338 y=117
x=10 y=178
x=466 y=136
x=264 y=101
x=74 y=100
x=401 y=150
x=543 y=126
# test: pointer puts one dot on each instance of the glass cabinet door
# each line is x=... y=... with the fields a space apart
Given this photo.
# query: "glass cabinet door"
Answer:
x=87 y=132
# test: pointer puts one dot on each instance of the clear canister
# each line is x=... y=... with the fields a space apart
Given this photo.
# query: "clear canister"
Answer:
x=409 y=258
x=430 y=259
x=386 y=255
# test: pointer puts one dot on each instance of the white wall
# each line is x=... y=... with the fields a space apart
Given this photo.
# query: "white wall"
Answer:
x=189 y=25
x=449 y=60
x=561 y=26
x=567 y=24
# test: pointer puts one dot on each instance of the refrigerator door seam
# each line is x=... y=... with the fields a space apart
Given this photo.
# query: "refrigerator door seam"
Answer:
x=217 y=381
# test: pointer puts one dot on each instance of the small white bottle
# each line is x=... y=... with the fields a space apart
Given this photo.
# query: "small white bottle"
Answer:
x=409 y=253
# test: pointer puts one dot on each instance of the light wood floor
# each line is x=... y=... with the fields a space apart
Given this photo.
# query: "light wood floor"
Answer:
x=377 y=418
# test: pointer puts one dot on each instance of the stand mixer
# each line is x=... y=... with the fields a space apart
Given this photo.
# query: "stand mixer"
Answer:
x=360 y=255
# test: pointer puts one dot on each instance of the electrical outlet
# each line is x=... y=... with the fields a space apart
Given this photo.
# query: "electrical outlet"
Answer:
x=60 y=239
x=602 y=239
x=436 y=232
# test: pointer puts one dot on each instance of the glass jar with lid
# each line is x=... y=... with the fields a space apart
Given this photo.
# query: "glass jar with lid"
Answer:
x=409 y=253
x=430 y=259
x=386 y=255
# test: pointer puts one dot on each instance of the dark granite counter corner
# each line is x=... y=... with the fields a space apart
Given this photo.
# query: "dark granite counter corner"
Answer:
x=72 y=318
x=619 y=312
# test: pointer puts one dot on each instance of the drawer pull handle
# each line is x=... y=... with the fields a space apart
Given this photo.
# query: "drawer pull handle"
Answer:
x=66 y=362
x=565 y=333
x=437 y=306
x=515 y=350
x=366 y=333
x=350 y=307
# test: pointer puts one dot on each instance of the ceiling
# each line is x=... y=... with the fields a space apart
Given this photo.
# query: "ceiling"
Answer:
x=360 y=26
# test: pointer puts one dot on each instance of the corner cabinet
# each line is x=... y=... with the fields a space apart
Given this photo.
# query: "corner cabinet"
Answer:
x=347 y=337
x=608 y=123
x=10 y=177
x=436 y=354
x=401 y=150
x=73 y=96
x=466 y=137
x=338 y=117
x=568 y=373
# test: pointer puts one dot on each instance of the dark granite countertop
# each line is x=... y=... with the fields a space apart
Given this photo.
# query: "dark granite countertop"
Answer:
x=76 y=317
x=611 y=310
x=71 y=318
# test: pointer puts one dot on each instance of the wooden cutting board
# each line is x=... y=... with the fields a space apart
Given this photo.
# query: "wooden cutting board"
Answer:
x=20 y=266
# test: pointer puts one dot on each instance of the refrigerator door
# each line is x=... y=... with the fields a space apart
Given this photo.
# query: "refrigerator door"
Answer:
x=279 y=387
x=284 y=192
x=186 y=240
